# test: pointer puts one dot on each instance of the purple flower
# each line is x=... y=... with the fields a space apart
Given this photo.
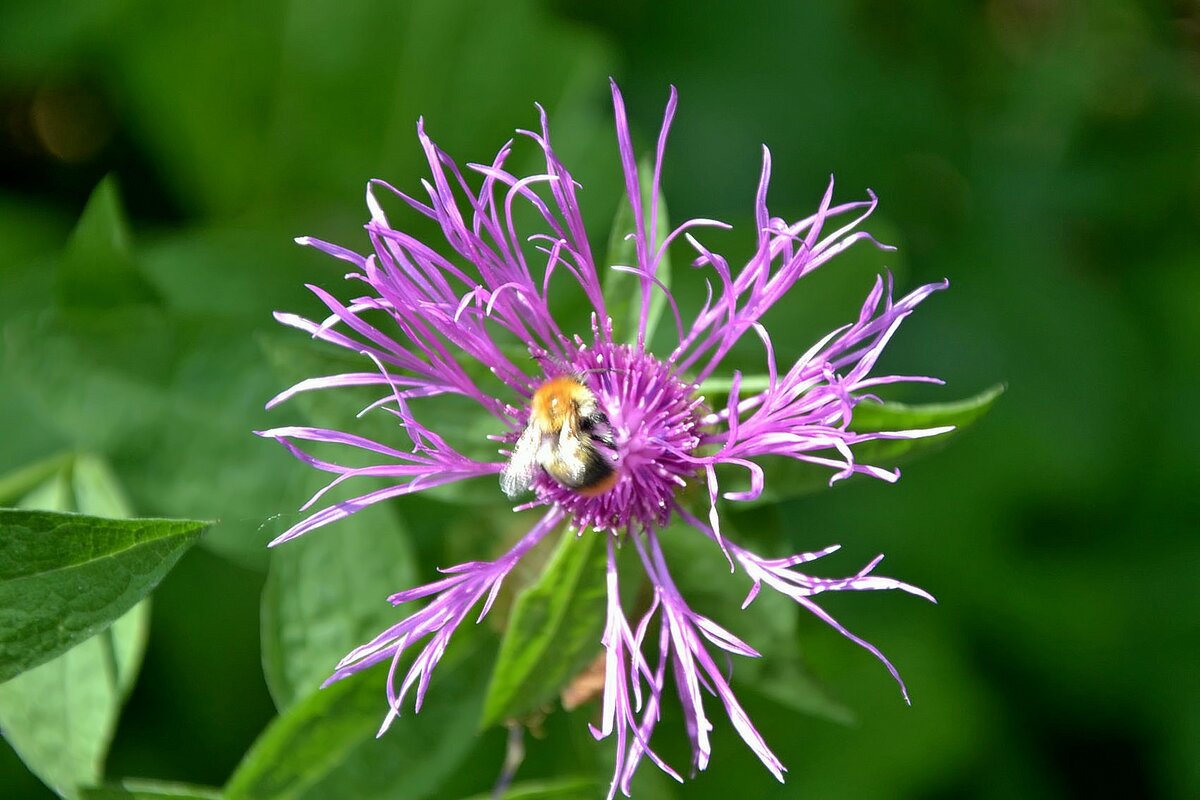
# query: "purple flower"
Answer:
x=424 y=314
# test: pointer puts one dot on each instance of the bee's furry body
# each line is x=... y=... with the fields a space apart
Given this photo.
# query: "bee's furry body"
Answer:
x=565 y=425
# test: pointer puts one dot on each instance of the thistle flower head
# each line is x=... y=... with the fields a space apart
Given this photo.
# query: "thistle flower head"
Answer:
x=424 y=314
x=653 y=419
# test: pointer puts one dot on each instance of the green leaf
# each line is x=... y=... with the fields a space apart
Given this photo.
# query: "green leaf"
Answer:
x=60 y=716
x=222 y=156
x=110 y=365
x=554 y=631
x=140 y=789
x=97 y=491
x=622 y=290
x=97 y=268
x=786 y=477
x=769 y=624
x=20 y=482
x=56 y=494
x=654 y=784
x=326 y=593
x=871 y=416
x=231 y=270
x=176 y=388
x=65 y=577
x=579 y=787
x=325 y=747
x=178 y=437
x=782 y=676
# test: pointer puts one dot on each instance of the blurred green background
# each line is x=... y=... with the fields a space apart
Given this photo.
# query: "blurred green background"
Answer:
x=1043 y=155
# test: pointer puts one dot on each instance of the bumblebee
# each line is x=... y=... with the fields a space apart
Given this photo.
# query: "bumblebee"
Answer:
x=566 y=427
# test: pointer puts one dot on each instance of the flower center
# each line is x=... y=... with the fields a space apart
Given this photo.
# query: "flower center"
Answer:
x=653 y=423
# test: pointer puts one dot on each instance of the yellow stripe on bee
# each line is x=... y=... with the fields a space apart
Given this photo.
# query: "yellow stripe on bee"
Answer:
x=556 y=401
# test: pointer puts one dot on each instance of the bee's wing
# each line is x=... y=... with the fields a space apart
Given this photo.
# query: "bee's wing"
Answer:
x=572 y=454
x=518 y=474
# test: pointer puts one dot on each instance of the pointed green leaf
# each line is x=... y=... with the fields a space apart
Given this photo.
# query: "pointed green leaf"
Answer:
x=786 y=477
x=326 y=593
x=622 y=290
x=97 y=490
x=177 y=436
x=97 y=268
x=547 y=790
x=20 y=482
x=872 y=416
x=139 y=789
x=324 y=747
x=65 y=577
x=60 y=716
x=57 y=493
x=554 y=631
